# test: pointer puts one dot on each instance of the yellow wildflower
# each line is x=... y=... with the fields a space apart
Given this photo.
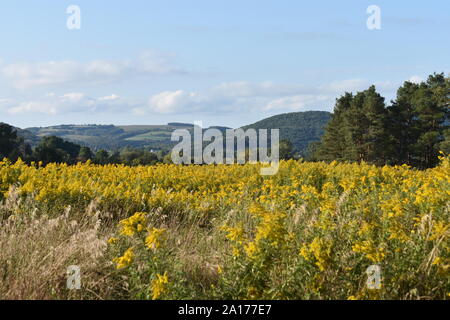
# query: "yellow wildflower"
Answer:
x=112 y=240
x=133 y=224
x=154 y=238
x=158 y=285
x=125 y=260
x=371 y=252
x=318 y=250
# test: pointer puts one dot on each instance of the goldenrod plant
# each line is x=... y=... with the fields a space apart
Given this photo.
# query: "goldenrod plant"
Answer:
x=312 y=231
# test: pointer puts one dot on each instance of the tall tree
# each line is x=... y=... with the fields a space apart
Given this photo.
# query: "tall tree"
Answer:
x=432 y=107
x=55 y=149
x=101 y=157
x=401 y=125
x=85 y=154
x=8 y=140
x=375 y=138
x=364 y=127
x=12 y=146
x=333 y=144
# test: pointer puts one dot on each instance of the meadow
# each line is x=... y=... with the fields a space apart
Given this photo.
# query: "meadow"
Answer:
x=312 y=231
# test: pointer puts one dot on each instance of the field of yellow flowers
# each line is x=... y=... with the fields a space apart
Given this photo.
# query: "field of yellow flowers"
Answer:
x=312 y=231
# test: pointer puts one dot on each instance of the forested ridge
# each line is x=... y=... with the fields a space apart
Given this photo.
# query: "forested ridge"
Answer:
x=411 y=130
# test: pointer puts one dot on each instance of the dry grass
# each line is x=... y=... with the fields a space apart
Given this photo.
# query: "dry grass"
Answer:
x=36 y=250
x=37 y=247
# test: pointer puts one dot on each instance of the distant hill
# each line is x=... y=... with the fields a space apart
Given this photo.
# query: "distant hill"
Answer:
x=301 y=128
x=28 y=136
x=180 y=124
x=112 y=137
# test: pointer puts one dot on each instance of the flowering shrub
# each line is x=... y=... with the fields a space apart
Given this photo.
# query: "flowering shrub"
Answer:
x=144 y=259
x=309 y=232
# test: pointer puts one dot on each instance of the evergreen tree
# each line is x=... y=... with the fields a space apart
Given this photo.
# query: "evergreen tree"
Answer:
x=401 y=125
x=85 y=154
x=12 y=146
x=432 y=108
x=364 y=128
x=412 y=130
x=55 y=149
x=445 y=145
x=333 y=143
x=101 y=157
x=7 y=140
x=375 y=139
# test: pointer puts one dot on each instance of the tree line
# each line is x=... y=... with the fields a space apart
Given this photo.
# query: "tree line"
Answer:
x=52 y=149
x=412 y=130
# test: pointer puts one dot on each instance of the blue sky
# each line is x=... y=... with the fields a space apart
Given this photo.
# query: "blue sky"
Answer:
x=221 y=62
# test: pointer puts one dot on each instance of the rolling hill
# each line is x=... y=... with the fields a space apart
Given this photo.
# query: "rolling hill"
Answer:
x=301 y=128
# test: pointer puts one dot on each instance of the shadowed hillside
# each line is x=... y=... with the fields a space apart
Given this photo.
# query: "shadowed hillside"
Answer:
x=301 y=128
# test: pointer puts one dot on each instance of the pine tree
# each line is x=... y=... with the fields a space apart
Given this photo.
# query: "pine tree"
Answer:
x=401 y=125
x=412 y=130
x=375 y=139
x=365 y=127
x=333 y=143
x=430 y=103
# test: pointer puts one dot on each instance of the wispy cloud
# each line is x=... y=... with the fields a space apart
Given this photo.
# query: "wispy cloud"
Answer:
x=245 y=96
x=415 y=79
x=26 y=75
x=224 y=98
x=73 y=102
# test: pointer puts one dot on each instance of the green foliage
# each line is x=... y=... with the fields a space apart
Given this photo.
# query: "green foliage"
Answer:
x=110 y=137
x=101 y=157
x=85 y=154
x=12 y=145
x=56 y=150
x=134 y=157
x=412 y=130
x=333 y=143
x=286 y=150
x=300 y=128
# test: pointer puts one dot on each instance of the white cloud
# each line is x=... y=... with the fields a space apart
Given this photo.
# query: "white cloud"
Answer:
x=28 y=75
x=239 y=96
x=298 y=103
x=253 y=97
x=249 y=89
x=109 y=98
x=73 y=97
x=73 y=102
x=176 y=101
x=415 y=79
x=347 y=85
x=5 y=102
x=50 y=108
x=168 y=101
